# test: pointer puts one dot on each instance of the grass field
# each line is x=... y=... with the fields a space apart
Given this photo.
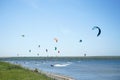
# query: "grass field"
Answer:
x=15 y=72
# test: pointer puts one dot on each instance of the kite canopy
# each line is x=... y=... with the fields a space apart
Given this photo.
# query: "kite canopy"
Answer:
x=84 y=54
x=56 y=40
x=46 y=50
x=29 y=50
x=58 y=51
x=55 y=48
x=38 y=45
x=23 y=35
x=99 y=30
x=80 y=41
x=38 y=54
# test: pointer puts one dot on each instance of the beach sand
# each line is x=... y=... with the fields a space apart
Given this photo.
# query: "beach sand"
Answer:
x=57 y=76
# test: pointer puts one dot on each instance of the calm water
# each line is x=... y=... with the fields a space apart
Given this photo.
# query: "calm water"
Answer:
x=79 y=69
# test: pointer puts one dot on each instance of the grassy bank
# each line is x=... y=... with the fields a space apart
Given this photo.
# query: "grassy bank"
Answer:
x=14 y=72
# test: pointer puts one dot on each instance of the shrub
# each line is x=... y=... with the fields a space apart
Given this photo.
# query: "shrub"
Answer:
x=36 y=70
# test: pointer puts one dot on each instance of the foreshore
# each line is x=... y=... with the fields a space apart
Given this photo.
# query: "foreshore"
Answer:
x=56 y=76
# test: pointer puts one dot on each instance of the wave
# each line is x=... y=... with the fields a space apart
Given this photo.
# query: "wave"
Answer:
x=59 y=65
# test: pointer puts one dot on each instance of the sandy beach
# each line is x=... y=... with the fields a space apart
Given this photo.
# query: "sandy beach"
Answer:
x=56 y=76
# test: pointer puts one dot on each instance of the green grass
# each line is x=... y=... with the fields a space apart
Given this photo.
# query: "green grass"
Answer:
x=15 y=72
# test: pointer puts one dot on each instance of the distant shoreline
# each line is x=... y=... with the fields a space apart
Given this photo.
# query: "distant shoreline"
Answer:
x=42 y=57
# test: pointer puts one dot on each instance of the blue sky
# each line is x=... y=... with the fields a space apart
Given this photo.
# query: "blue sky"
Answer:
x=68 y=20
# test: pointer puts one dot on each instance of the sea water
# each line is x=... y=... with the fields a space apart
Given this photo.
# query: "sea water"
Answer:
x=79 y=69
